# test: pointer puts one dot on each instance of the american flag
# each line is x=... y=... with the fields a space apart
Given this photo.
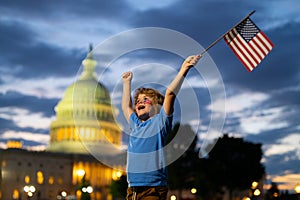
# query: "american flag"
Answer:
x=248 y=43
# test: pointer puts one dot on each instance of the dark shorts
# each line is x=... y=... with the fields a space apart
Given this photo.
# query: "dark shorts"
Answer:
x=147 y=193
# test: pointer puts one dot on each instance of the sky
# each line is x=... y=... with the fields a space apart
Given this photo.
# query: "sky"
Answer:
x=43 y=45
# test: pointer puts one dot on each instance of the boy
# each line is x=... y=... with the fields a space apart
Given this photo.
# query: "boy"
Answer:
x=150 y=119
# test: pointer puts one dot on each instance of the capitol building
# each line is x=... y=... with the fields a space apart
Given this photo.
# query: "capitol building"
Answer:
x=83 y=131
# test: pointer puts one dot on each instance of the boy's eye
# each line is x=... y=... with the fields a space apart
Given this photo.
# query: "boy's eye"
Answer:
x=138 y=101
x=144 y=100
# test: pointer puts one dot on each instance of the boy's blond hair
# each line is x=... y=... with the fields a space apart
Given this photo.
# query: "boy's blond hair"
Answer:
x=157 y=97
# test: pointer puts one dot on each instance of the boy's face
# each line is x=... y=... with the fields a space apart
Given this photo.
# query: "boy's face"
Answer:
x=143 y=106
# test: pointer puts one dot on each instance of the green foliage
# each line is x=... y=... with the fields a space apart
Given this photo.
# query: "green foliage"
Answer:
x=84 y=183
x=236 y=162
x=118 y=188
x=232 y=163
x=273 y=192
x=182 y=171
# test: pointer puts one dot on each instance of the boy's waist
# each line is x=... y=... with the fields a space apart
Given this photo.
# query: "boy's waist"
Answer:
x=139 y=189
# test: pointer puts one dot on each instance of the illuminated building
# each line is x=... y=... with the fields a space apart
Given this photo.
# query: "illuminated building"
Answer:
x=84 y=117
x=84 y=122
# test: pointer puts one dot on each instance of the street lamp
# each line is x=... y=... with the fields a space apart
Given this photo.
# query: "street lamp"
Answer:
x=86 y=192
x=116 y=175
x=246 y=198
x=29 y=189
x=80 y=173
x=85 y=189
x=297 y=188
x=254 y=185
x=193 y=190
x=62 y=195
x=256 y=192
x=88 y=189
x=173 y=197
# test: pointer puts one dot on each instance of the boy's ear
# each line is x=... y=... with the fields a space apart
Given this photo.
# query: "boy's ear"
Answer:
x=154 y=110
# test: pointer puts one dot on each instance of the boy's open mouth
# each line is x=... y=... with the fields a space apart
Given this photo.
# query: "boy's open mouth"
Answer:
x=140 y=107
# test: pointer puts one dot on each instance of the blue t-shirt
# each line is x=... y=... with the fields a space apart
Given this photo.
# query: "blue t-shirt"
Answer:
x=145 y=158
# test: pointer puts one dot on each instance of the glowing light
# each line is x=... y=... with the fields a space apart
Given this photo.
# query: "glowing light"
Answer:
x=193 y=190
x=64 y=193
x=119 y=174
x=26 y=188
x=32 y=188
x=256 y=192
x=254 y=184
x=173 y=197
x=246 y=198
x=116 y=175
x=27 y=179
x=297 y=188
x=80 y=172
x=89 y=189
x=29 y=189
x=16 y=194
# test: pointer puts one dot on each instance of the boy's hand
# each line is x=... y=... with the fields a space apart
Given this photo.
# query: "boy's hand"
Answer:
x=191 y=61
x=127 y=76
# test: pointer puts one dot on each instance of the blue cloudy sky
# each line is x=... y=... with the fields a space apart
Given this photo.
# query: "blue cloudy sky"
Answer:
x=43 y=44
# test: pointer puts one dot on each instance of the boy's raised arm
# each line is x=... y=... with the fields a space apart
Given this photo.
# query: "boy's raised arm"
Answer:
x=126 y=97
x=175 y=85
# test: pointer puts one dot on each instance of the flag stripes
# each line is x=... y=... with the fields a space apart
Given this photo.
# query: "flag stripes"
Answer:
x=248 y=43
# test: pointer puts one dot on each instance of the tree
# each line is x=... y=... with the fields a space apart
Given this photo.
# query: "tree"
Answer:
x=232 y=163
x=235 y=163
x=273 y=192
x=189 y=171
x=85 y=195
x=118 y=188
x=182 y=171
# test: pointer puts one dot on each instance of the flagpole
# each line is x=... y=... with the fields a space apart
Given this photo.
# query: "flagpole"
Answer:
x=220 y=38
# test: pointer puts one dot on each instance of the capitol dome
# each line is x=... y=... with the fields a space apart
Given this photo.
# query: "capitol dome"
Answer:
x=85 y=119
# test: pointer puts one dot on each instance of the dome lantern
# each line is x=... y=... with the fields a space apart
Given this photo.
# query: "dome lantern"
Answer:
x=89 y=66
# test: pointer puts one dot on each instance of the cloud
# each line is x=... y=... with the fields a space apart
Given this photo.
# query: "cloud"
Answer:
x=34 y=58
x=6 y=123
x=48 y=88
x=286 y=181
x=290 y=143
x=282 y=164
x=263 y=120
x=23 y=118
x=32 y=104
x=26 y=136
x=144 y=5
x=67 y=24
x=287 y=96
x=242 y=101
x=35 y=63
x=56 y=10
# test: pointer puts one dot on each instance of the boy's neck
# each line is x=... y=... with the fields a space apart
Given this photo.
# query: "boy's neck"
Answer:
x=144 y=117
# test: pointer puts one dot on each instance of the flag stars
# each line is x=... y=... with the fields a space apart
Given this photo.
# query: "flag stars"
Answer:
x=247 y=29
